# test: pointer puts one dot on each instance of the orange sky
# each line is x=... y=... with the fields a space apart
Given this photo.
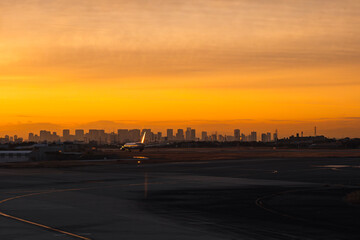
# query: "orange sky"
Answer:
x=209 y=63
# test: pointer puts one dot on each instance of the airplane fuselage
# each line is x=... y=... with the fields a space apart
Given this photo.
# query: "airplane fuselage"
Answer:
x=133 y=146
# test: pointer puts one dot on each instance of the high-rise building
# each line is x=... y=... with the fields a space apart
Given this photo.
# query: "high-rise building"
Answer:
x=214 y=137
x=45 y=136
x=204 y=136
x=18 y=139
x=113 y=138
x=275 y=135
x=31 y=137
x=229 y=138
x=79 y=134
x=123 y=135
x=36 y=138
x=134 y=135
x=237 y=134
x=268 y=136
x=96 y=135
x=263 y=137
x=253 y=137
x=158 y=136
x=66 y=134
x=55 y=137
x=170 y=134
x=221 y=138
x=188 y=134
x=180 y=135
x=193 y=135
x=243 y=138
x=145 y=130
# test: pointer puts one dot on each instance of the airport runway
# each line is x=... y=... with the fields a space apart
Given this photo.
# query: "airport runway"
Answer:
x=239 y=199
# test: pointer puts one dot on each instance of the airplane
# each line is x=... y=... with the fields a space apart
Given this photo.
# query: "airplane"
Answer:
x=135 y=145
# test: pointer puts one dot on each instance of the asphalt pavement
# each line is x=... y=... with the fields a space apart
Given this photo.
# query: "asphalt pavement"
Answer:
x=282 y=198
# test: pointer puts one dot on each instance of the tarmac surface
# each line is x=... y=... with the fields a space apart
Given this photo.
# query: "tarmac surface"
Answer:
x=280 y=198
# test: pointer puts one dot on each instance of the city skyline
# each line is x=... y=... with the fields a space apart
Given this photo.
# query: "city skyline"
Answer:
x=328 y=127
x=134 y=135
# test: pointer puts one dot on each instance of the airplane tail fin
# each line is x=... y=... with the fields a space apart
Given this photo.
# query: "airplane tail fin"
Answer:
x=143 y=138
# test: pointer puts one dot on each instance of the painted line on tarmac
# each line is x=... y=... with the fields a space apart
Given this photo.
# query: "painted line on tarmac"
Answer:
x=57 y=191
x=44 y=226
x=260 y=203
x=39 y=224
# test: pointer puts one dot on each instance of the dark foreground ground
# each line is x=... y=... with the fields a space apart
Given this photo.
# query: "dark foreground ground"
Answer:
x=268 y=198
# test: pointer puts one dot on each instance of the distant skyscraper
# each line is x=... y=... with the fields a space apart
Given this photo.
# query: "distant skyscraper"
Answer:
x=204 y=136
x=134 y=135
x=31 y=137
x=45 y=136
x=237 y=134
x=214 y=137
x=55 y=137
x=180 y=135
x=268 y=136
x=79 y=134
x=123 y=135
x=221 y=138
x=66 y=132
x=263 y=137
x=159 y=136
x=229 y=138
x=96 y=135
x=170 y=134
x=243 y=138
x=145 y=130
x=276 y=136
x=66 y=135
x=188 y=134
x=113 y=138
x=253 y=137
x=193 y=135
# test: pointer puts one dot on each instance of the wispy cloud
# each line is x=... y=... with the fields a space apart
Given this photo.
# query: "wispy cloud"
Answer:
x=65 y=60
x=332 y=127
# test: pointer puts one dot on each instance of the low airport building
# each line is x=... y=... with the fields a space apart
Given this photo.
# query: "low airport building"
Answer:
x=41 y=152
x=15 y=156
